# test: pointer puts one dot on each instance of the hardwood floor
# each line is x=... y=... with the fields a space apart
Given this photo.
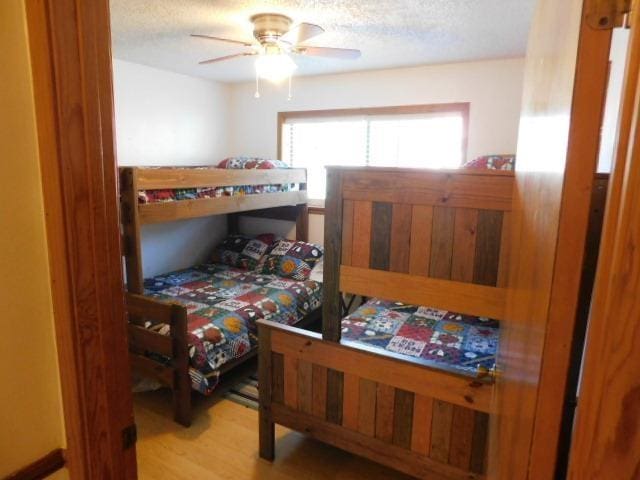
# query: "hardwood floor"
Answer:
x=222 y=443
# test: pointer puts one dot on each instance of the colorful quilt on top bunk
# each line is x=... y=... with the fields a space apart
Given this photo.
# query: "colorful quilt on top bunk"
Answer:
x=223 y=304
x=454 y=342
x=216 y=191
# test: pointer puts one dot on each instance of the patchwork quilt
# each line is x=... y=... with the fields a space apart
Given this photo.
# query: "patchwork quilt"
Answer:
x=452 y=341
x=177 y=194
x=223 y=304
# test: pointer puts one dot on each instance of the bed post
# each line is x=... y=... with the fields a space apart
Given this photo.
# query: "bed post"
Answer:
x=131 y=229
x=182 y=382
x=302 y=222
x=266 y=427
x=331 y=302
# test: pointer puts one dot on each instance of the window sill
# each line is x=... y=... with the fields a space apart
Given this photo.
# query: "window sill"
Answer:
x=315 y=210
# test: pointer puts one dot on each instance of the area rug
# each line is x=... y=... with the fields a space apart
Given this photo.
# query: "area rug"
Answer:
x=245 y=392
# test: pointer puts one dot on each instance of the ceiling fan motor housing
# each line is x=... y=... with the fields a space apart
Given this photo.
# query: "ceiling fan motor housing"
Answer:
x=269 y=27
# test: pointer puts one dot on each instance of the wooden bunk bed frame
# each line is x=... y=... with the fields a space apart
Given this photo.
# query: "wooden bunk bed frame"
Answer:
x=435 y=238
x=290 y=206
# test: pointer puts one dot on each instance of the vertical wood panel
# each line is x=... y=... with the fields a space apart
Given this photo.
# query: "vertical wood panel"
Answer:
x=335 y=391
x=347 y=231
x=291 y=382
x=400 y=237
x=464 y=244
x=420 y=248
x=361 y=233
x=441 y=431
x=385 y=399
x=421 y=428
x=442 y=242
x=305 y=386
x=478 y=460
x=402 y=418
x=367 y=407
x=277 y=378
x=380 y=235
x=319 y=389
x=351 y=401
x=485 y=270
x=462 y=437
x=505 y=248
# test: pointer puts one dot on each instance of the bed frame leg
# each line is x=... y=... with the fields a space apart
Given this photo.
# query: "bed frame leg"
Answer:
x=267 y=434
x=182 y=400
x=182 y=379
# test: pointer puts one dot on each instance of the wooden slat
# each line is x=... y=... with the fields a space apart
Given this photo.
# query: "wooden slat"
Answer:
x=160 y=212
x=464 y=244
x=351 y=401
x=277 y=377
x=505 y=248
x=442 y=242
x=347 y=231
x=266 y=427
x=421 y=428
x=380 y=367
x=403 y=418
x=485 y=271
x=291 y=382
x=462 y=431
x=305 y=387
x=142 y=340
x=149 y=308
x=335 y=389
x=319 y=391
x=385 y=396
x=441 y=431
x=380 y=236
x=153 y=369
x=480 y=440
x=400 y=238
x=445 y=294
x=370 y=447
x=420 y=248
x=457 y=189
x=361 y=233
x=367 y=407
x=169 y=178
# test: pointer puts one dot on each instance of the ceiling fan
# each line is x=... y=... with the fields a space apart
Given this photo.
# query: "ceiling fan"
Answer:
x=276 y=41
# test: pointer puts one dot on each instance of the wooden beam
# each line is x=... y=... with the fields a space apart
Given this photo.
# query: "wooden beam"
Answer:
x=170 y=178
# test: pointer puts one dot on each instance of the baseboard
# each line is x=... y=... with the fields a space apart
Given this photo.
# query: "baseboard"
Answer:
x=41 y=468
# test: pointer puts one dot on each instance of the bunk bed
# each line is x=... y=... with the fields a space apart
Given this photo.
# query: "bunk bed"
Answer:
x=163 y=321
x=401 y=238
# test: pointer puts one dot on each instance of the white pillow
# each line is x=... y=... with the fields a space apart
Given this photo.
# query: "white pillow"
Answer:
x=317 y=271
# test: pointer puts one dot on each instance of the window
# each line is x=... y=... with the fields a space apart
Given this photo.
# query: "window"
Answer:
x=421 y=136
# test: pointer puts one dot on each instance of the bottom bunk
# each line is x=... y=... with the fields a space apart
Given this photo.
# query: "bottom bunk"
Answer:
x=195 y=324
x=424 y=411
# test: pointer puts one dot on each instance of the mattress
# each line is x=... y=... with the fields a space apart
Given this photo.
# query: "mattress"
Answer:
x=177 y=194
x=446 y=340
x=223 y=304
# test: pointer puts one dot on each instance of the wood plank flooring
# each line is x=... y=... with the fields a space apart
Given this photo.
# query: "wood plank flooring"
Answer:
x=222 y=443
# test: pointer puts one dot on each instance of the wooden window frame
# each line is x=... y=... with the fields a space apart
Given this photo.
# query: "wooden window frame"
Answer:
x=463 y=108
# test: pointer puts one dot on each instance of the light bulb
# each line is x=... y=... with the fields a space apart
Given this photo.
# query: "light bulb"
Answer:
x=275 y=67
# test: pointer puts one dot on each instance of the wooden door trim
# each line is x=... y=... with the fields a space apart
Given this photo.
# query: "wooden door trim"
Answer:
x=71 y=61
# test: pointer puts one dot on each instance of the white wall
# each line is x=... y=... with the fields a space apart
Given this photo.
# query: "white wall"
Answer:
x=617 y=56
x=494 y=89
x=164 y=118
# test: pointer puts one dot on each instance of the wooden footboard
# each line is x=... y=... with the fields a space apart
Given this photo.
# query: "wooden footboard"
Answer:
x=174 y=372
x=408 y=416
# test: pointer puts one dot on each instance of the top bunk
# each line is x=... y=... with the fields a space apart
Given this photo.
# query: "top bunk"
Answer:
x=165 y=194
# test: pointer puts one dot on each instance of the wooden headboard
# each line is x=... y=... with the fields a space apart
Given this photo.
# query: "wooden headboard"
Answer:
x=429 y=237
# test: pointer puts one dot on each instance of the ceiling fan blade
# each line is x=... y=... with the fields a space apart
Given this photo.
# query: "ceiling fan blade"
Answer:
x=302 y=32
x=342 y=53
x=226 y=57
x=220 y=39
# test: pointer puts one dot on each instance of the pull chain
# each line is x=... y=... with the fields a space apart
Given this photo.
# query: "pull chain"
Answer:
x=257 y=94
x=289 y=97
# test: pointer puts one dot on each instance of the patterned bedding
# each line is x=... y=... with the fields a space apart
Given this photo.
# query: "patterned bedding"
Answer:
x=453 y=342
x=223 y=304
x=173 y=195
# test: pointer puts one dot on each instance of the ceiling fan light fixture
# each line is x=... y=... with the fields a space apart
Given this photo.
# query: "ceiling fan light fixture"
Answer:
x=275 y=67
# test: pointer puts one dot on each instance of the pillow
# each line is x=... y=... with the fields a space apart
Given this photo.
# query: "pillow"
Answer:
x=492 y=162
x=251 y=163
x=241 y=251
x=291 y=259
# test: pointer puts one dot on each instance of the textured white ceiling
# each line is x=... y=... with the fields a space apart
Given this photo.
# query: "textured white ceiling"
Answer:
x=390 y=33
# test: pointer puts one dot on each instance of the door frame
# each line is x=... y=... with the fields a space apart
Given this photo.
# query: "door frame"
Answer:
x=70 y=48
